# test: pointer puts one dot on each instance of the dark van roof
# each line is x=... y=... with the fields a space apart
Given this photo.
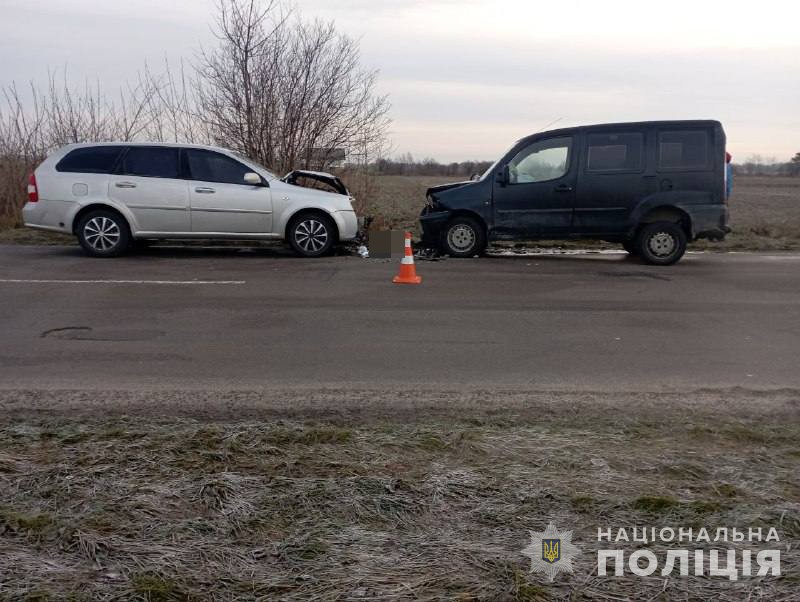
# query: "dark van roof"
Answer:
x=631 y=125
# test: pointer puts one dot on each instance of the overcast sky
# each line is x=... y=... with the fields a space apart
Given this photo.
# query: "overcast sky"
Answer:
x=468 y=77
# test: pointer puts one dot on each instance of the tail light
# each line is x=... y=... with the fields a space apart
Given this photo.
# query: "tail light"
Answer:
x=33 y=191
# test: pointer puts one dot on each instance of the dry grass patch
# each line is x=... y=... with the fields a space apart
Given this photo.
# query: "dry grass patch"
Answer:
x=426 y=508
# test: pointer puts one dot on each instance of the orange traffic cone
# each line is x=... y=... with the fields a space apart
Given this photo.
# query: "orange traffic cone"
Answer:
x=408 y=273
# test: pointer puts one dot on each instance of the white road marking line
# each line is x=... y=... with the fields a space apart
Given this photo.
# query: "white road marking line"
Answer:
x=166 y=282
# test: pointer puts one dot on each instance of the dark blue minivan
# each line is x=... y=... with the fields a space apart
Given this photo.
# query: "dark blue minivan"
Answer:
x=650 y=186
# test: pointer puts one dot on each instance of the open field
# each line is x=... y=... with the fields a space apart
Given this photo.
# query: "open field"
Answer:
x=398 y=500
x=765 y=213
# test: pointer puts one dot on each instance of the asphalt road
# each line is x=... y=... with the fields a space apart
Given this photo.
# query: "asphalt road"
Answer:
x=233 y=320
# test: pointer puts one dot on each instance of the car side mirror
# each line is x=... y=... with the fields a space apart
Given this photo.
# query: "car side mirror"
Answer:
x=503 y=175
x=253 y=179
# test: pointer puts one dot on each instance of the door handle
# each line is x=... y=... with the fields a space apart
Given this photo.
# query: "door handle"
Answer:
x=563 y=188
x=205 y=190
x=125 y=185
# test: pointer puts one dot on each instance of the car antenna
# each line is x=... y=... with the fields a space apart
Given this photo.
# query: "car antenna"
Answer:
x=550 y=124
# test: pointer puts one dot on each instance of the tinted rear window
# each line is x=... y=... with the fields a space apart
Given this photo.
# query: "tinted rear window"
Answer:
x=91 y=159
x=683 y=150
x=151 y=162
x=614 y=152
x=208 y=166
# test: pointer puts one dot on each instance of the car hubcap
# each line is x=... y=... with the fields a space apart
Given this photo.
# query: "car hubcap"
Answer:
x=461 y=238
x=311 y=235
x=101 y=233
x=662 y=244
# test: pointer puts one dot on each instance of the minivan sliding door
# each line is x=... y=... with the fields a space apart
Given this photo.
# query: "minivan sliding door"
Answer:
x=613 y=180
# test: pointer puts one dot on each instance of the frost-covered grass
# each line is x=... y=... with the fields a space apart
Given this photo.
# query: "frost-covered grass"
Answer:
x=433 y=502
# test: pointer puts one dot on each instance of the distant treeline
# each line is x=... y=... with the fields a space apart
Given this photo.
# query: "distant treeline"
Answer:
x=758 y=166
x=406 y=165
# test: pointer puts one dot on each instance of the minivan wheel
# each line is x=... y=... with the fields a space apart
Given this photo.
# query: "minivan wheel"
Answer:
x=312 y=234
x=661 y=243
x=463 y=237
x=104 y=234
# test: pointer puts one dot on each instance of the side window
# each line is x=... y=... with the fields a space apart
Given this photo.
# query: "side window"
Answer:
x=90 y=159
x=208 y=166
x=614 y=152
x=150 y=162
x=541 y=161
x=683 y=150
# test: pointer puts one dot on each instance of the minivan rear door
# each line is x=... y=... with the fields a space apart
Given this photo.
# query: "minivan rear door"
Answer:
x=147 y=181
x=535 y=198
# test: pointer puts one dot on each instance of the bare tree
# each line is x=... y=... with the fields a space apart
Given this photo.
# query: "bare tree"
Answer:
x=284 y=91
x=794 y=165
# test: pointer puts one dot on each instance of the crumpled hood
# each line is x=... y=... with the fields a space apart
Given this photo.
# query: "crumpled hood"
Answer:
x=434 y=189
x=326 y=178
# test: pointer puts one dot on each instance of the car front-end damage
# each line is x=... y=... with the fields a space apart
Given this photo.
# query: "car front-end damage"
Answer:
x=316 y=179
x=443 y=202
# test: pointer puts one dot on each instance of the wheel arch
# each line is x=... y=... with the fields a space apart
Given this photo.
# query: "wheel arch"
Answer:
x=666 y=213
x=471 y=214
x=86 y=209
x=310 y=211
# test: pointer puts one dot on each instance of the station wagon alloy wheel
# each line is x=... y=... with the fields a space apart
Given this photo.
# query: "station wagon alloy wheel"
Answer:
x=311 y=235
x=102 y=233
x=662 y=244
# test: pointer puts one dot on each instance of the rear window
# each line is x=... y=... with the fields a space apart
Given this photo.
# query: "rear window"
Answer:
x=90 y=159
x=150 y=162
x=208 y=166
x=614 y=152
x=683 y=150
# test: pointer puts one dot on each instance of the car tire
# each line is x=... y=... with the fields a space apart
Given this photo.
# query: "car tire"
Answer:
x=311 y=234
x=104 y=233
x=661 y=243
x=463 y=237
x=630 y=247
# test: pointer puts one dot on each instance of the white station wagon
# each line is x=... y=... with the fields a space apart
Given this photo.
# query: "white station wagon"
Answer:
x=112 y=194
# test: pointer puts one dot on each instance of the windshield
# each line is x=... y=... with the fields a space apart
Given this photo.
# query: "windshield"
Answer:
x=252 y=162
x=489 y=171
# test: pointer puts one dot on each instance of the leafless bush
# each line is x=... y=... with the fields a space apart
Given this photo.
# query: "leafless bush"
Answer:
x=35 y=122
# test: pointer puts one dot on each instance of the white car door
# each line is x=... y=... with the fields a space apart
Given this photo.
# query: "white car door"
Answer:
x=221 y=201
x=148 y=182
